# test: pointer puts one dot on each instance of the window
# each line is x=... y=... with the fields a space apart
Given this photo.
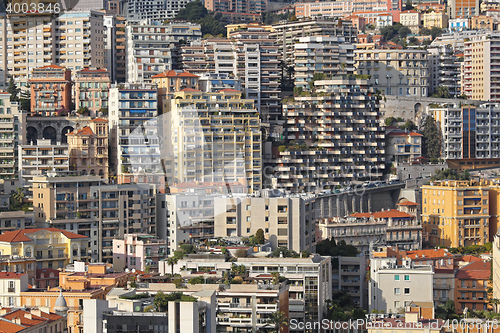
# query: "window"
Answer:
x=407 y=291
x=397 y=304
x=397 y=291
x=396 y=277
x=407 y=278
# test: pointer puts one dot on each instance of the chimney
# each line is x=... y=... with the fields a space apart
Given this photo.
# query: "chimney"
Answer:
x=36 y=312
x=17 y=320
x=28 y=315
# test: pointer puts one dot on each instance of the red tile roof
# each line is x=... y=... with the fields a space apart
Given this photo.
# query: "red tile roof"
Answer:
x=229 y=90
x=172 y=73
x=391 y=213
x=190 y=90
x=404 y=133
x=27 y=319
x=478 y=270
x=10 y=275
x=52 y=66
x=407 y=203
x=8 y=327
x=469 y=258
x=99 y=120
x=424 y=254
x=88 y=70
x=20 y=235
x=84 y=131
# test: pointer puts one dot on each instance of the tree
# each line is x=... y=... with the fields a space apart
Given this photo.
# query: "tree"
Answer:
x=435 y=32
x=17 y=199
x=161 y=302
x=25 y=99
x=408 y=5
x=241 y=253
x=413 y=41
x=409 y=126
x=390 y=121
x=277 y=320
x=494 y=302
x=431 y=140
x=328 y=247
x=172 y=261
x=424 y=32
x=282 y=250
x=441 y=92
x=404 y=32
x=210 y=23
x=13 y=90
x=447 y=311
x=259 y=237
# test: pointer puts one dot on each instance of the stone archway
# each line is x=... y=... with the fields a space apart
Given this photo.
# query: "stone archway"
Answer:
x=50 y=133
x=417 y=108
x=31 y=135
x=66 y=130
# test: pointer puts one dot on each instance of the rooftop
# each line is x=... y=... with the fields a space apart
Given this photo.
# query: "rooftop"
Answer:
x=477 y=270
x=20 y=235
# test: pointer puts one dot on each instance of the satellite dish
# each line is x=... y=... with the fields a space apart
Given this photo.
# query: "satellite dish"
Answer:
x=133 y=270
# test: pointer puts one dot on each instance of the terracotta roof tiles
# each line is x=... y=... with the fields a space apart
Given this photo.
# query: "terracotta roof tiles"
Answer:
x=20 y=235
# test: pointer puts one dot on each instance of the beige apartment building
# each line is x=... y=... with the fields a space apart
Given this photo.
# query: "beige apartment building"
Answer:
x=411 y=19
x=85 y=205
x=496 y=266
x=12 y=132
x=91 y=90
x=286 y=221
x=482 y=55
x=88 y=149
x=215 y=137
x=40 y=158
x=435 y=19
x=395 y=72
x=73 y=40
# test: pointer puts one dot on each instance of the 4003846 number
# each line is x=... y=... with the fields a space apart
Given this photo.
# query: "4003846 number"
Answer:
x=31 y=8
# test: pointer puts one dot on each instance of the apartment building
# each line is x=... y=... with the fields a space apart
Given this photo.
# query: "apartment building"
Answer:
x=469 y=132
x=394 y=286
x=403 y=147
x=134 y=134
x=15 y=220
x=73 y=40
x=310 y=280
x=456 y=213
x=239 y=6
x=172 y=81
x=101 y=212
x=67 y=303
x=411 y=19
x=286 y=221
x=480 y=57
x=496 y=266
x=50 y=88
x=471 y=286
x=88 y=149
x=395 y=72
x=91 y=90
x=32 y=320
x=11 y=286
x=350 y=277
x=251 y=56
x=463 y=8
x=52 y=248
x=341 y=144
x=229 y=147
x=248 y=306
x=287 y=34
x=319 y=9
x=435 y=19
x=362 y=230
x=150 y=46
x=12 y=133
x=153 y=10
x=444 y=70
x=329 y=56
x=140 y=252
x=41 y=158
x=114 y=41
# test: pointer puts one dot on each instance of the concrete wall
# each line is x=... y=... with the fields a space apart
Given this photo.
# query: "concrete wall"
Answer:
x=410 y=108
x=415 y=171
x=361 y=200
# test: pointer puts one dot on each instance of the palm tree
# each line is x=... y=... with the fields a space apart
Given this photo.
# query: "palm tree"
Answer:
x=495 y=302
x=276 y=321
x=172 y=261
x=18 y=195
